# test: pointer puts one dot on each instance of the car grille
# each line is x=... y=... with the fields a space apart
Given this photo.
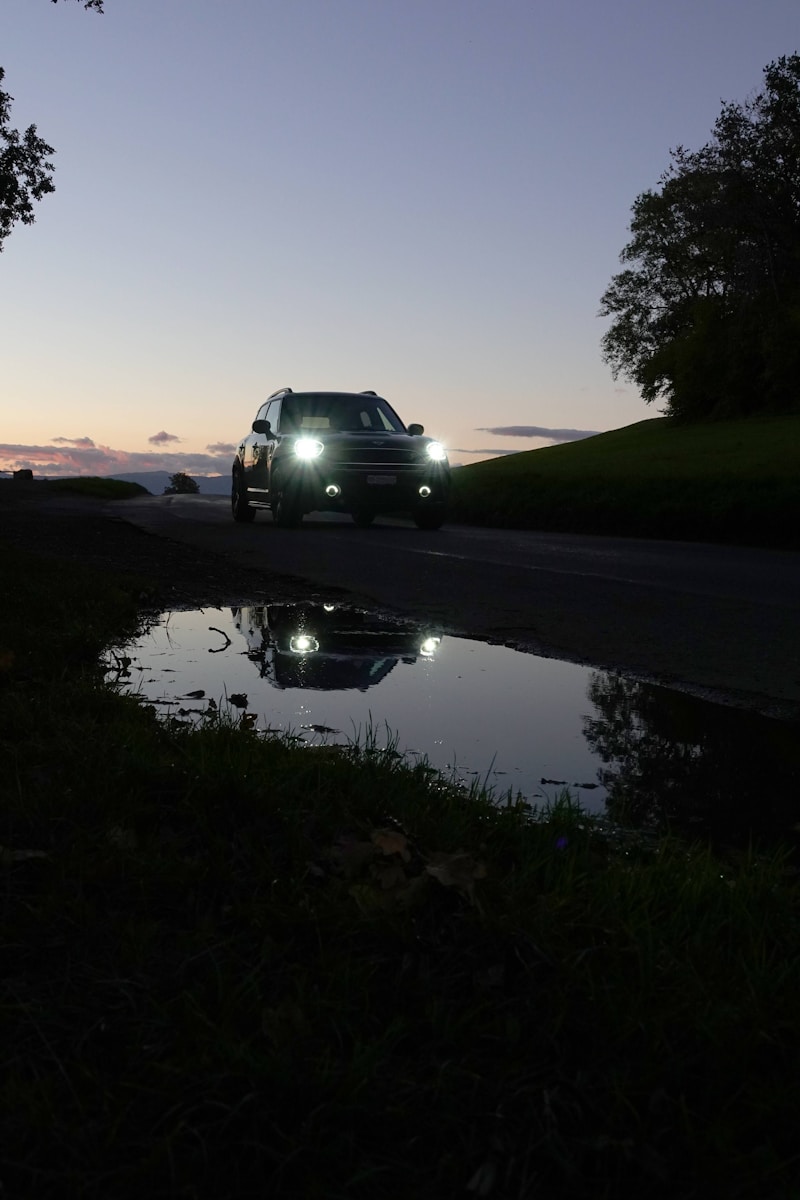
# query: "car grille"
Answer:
x=386 y=457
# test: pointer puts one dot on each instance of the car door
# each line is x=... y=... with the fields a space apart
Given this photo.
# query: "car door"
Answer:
x=271 y=441
x=250 y=450
x=261 y=447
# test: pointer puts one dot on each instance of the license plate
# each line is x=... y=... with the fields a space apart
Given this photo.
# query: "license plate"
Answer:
x=378 y=479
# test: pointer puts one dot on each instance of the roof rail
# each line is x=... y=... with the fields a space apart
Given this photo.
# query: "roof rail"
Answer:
x=280 y=392
x=368 y=393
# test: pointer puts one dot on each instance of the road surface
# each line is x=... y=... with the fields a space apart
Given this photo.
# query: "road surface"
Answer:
x=718 y=621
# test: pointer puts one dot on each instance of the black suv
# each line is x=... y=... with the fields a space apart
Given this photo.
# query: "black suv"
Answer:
x=342 y=451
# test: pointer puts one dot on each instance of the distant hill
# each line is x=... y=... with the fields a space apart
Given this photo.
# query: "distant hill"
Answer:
x=156 y=481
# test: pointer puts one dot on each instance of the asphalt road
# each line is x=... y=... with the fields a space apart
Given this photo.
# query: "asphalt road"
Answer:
x=719 y=621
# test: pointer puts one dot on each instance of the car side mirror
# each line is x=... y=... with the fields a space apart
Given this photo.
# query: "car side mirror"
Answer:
x=416 y=430
x=261 y=427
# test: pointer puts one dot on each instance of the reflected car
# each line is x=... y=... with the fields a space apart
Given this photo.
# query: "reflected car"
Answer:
x=328 y=647
x=338 y=451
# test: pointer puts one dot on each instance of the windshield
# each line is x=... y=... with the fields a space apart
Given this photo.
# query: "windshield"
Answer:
x=356 y=414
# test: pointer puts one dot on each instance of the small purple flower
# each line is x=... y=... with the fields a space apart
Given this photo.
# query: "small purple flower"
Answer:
x=561 y=842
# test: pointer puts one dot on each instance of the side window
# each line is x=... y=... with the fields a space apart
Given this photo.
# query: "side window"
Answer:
x=273 y=414
x=262 y=412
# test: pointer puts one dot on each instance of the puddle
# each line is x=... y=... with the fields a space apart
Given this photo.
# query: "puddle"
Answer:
x=641 y=754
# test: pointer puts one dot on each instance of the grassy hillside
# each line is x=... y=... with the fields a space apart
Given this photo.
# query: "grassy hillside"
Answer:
x=732 y=481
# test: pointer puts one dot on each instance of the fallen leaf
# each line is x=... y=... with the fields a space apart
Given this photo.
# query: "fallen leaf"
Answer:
x=391 y=841
x=459 y=870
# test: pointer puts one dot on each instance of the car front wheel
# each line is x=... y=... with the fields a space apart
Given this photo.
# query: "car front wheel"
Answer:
x=287 y=512
x=242 y=511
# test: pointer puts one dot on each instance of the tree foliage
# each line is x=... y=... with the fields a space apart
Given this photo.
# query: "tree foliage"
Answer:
x=25 y=169
x=706 y=312
x=181 y=484
x=26 y=173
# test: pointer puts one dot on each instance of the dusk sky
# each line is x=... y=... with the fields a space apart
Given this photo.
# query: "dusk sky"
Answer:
x=423 y=197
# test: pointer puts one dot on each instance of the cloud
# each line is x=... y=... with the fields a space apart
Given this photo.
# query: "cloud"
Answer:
x=158 y=439
x=222 y=448
x=539 y=431
x=85 y=443
x=69 y=457
x=493 y=453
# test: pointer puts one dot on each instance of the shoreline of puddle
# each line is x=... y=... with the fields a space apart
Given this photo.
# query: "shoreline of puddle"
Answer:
x=638 y=753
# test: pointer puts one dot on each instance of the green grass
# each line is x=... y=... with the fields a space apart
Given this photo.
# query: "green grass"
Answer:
x=725 y=481
x=239 y=968
x=97 y=487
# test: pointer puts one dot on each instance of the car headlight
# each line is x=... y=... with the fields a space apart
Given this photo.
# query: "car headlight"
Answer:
x=303 y=643
x=306 y=447
x=436 y=452
x=429 y=647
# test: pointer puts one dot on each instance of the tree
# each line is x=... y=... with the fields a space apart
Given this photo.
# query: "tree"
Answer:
x=25 y=169
x=181 y=484
x=706 y=313
x=26 y=173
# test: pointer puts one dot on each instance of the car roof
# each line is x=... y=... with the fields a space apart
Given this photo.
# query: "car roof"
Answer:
x=327 y=395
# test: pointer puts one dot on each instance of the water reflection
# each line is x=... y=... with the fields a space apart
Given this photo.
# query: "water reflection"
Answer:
x=672 y=760
x=644 y=755
x=475 y=712
x=328 y=646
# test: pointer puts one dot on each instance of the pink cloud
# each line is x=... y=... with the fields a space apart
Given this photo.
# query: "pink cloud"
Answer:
x=68 y=460
x=158 y=439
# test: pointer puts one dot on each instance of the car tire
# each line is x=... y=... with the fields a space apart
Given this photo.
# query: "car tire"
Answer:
x=429 y=516
x=287 y=513
x=241 y=509
x=363 y=517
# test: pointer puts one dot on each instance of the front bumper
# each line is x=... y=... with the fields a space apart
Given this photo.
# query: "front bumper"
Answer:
x=319 y=486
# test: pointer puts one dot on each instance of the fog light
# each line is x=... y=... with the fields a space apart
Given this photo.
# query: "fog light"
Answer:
x=332 y=490
x=424 y=491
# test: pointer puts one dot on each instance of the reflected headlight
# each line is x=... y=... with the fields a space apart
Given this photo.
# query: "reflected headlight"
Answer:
x=429 y=647
x=303 y=643
x=436 y=451
x=308 y=448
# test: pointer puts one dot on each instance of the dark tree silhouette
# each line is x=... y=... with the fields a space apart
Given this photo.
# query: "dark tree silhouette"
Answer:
x=181 y=484
x=25 y=169
x=706 y=313
x=26 y=172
